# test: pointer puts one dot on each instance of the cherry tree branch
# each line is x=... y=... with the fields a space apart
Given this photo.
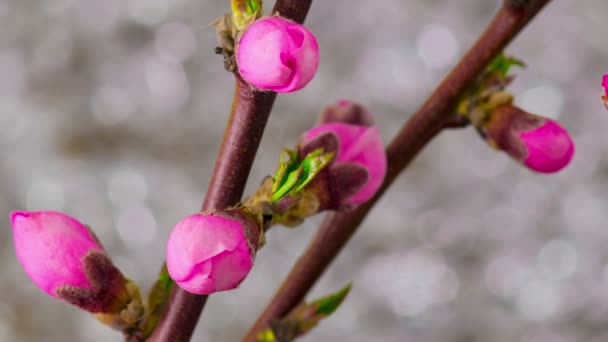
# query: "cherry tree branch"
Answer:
x=242 y=136
x=417 y=132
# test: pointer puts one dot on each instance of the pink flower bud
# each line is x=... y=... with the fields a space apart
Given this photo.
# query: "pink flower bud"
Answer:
x=605 y=95
x=346 y=112
x=358 y=146
x=212 y=251
x=549 y=146
x=539 y=143
x=277 y=54
x=51 y=247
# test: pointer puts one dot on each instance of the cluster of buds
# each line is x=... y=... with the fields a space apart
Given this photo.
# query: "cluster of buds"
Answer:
x=539 y=143
x=340 y=163
x=64 y=259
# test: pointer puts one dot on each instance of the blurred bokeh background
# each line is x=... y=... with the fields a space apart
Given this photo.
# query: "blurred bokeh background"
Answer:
x=112 y=111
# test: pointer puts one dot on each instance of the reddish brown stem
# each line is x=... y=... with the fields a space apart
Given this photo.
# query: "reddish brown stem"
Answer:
x=248 y=117
x=337 y=228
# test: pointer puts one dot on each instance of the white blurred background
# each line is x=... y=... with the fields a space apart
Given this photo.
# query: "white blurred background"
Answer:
x=112 y=111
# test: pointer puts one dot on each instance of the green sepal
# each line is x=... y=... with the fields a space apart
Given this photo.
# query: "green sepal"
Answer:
x=293 y=173
x=329 y=304
x=244 y=12
x=288 y=163
x=501 y=65
x=157 y=299
x=488 y=91
x=303 y=318
x=312 y=164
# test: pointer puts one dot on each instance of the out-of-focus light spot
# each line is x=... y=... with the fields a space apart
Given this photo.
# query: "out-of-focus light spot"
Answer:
x=54 y=51
x=412 y=283
x=546 y=100
x=44 y=194
x=557 y=259
x=111 y=105
x=148 y=12
x=100 y=16
x=581 y=210
x=175 y=42
x=13 y=120
x=546 y=336
x=4 y=8
x=488 y=165
x=503 y=222
x=136 y=226
x=605 y=275
x=437 y=47
x=399 y=78
x=56 y=7
x=127 y=186
x=167 y=83
x=539 y=300
x=506 y=274
x=424 y=282
x=13 y=71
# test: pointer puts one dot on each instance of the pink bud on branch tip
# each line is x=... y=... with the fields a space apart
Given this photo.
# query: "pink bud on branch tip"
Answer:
x=605 y=94
x=358 y=146
x=51 y=247
x=277 y=54
x=540 y=143
x=65 y=260
x=212 y=251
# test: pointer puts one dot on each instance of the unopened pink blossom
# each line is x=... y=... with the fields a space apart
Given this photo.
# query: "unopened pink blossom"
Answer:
x=277 y=54
x=540 y=143
x=549 y=147
x=605 y=86
x=209 y=252
x=346 y=111
x=51 y=247
x=360 y=145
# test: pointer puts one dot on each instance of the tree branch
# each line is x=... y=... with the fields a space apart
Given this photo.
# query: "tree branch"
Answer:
x=249 y=114
x=426 y=123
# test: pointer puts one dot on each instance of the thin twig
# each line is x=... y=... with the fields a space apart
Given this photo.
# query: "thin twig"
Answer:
x=418 y=131
x=248 y=117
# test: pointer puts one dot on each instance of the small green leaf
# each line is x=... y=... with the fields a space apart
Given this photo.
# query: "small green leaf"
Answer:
x=288 y=162
x=313 y=164
x=244 y=12
x=288 y=184
x=293 y=174
x=303 y=318
x=327 y=305
x=502 y=64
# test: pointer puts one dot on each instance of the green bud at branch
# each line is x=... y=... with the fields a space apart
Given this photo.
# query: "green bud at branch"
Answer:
x=303 y=318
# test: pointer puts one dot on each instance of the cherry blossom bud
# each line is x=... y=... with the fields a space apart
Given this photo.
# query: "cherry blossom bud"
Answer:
x=346 y=112
x=212 y=251
x=538 y=142
x=605 y=95
x=359 y=165
x=65 y=260
x=277 y=54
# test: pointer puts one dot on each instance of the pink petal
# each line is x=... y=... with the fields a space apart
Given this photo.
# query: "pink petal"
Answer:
x=550 y=147
x=50 y=246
